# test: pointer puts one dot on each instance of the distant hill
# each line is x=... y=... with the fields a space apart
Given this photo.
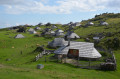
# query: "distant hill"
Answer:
x=110 y=32
x=108 y=17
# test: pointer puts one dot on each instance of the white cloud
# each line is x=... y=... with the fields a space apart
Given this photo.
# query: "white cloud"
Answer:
x=64 y=6
x=44 y=1
x=13 y=2
x=114 y=4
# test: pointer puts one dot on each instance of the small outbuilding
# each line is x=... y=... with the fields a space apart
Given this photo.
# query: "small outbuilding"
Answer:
x=59 y=32
x=19 y=36
x=96 y=38
x=31 y=29
x=52 y=33
x=37 y=28
x=71 y=35
x=90 y=23
x=46 y=30
x=77 y=24
x=53 y=27
x=103 y=23
x=70 y=23
x=57 y=42
x=40 y=24
x=32 y=32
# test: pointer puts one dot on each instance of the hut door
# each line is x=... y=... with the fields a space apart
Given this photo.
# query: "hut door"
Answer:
x=73 y=53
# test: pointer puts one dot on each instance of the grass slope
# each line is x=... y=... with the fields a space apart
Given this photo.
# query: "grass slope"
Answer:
x=22 y=67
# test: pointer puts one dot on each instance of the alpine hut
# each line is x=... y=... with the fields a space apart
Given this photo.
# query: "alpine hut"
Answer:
x=57 y=42
x=78 y=50
x=52 y=33
x=33 y=32
x=71 y=35
x=19 y=36
x=103 y=23
x=77 y=24
x=31 y=29
x=90 y=23
x=37 y=28
x=53 y=27
x=59 y=32
x=46 y=30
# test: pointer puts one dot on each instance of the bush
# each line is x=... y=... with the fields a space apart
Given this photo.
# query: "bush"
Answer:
x=39 y=49
x=21 y=29
x=105 y=54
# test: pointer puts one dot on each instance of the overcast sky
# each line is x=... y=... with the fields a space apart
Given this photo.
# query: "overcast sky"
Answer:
x=18 y=12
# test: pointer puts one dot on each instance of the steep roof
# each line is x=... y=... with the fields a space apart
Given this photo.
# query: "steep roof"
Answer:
x=52 y=32
x=19 y=36
x=48 y=33
x=90 y=23
x=96 y=38
x=54 y=26
x=47 y=29
x=86 y=50
x=59 y=34
x=37 y=28
x=33 y=32
x=77 y=23
x=70 y=34
x=59 y=30
x=31 y=29
x=57 y=42
x=103 y=23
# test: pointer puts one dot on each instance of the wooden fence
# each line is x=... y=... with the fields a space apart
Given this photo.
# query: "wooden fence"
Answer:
x=114 y=60
x=40 y=55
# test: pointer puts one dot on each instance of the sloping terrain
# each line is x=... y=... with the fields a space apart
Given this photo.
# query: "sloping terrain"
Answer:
x=14 y=65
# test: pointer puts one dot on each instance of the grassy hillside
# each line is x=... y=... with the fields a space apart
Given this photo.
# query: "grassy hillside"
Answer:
x=21 y=66
x=111 y=18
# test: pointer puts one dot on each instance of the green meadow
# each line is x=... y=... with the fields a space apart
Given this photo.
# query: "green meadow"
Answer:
x=21 y=66
x=14 y=65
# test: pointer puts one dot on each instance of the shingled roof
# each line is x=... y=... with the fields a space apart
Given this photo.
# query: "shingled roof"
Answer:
x=70 y=34
x=57 y=42
x=103 y=23
x=86 y=49
x=59 y=32
x=31 y=29
x=37 y=28
x=19 y=36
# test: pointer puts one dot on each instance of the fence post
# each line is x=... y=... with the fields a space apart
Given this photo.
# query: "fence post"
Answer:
x=65 y=59
x=36 y=58
x=78 y=62
x=39 y=55
x=89 y=63
x=45 y=59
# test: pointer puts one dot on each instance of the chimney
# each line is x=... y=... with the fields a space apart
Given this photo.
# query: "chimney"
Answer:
x=69 y=42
